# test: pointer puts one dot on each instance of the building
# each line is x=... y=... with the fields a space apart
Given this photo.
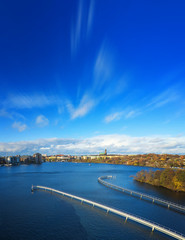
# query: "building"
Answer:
x=2 y=160
x=37 y=158
x=63 y=158
x=12 y=160
x=26 y=159
x=104 y=154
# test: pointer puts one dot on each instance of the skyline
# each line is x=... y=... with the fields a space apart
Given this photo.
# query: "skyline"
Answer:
x=82 y=76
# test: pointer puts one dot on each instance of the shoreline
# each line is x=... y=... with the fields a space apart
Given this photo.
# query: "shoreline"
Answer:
x=172 y=179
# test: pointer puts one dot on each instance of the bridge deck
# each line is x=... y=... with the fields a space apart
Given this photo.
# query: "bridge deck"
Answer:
x=142 y=195
x=154 y=226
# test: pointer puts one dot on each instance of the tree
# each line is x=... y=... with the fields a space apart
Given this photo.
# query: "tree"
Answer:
x=166 y=177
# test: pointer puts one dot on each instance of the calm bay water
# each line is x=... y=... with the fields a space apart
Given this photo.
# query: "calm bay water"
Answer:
x=42 y=215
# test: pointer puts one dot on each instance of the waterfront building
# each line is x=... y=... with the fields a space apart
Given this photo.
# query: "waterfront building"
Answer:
x=63 y=158
x=37 y=157
x=2 y=160
x=104 y=154
x=12 y=159
x=27 y=159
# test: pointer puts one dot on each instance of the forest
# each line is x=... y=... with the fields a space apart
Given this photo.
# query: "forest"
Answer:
x=173 y=179
x=149 y=160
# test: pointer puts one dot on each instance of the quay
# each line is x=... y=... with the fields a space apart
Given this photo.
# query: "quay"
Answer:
x=142 y=195
x=127 y=216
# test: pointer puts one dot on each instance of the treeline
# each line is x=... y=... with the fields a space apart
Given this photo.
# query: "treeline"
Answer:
x=149 y=160
x=173 y=179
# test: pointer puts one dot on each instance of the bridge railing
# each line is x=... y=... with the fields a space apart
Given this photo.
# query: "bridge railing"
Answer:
x=142 y=195
x=137 y=219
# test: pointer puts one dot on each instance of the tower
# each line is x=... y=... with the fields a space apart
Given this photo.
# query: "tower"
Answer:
x=105 y=151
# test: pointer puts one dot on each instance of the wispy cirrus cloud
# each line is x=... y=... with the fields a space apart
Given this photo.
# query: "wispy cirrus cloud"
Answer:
x=113 y=117
x=11 y=115
x=81 y=25
x=103 y=87
x=168 y=96
x=160 y=100
x=90 y=16
x=76 y=30
x=26 y=101
x=126 y=114
x=107 y=81
x=84 y=107
x=5 y=113
x=115 y=143
x=103 y=67
x=42 y=121
x=19 y=126
x=132 y=114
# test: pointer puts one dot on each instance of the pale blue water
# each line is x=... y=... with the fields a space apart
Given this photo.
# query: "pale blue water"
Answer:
x=42 y=215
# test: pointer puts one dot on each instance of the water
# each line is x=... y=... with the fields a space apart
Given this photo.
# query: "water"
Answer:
x=42 y=215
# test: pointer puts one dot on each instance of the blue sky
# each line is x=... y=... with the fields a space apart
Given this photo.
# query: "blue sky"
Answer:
x=80 y=76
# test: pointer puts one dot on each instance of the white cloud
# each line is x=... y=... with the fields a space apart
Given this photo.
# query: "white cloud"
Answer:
x=24 y=101
x=86 y=104
x=118 y=115
x=104 y=85
x=81 y=26
x=11 y=115
x=45 y=148
x=76 y=30
x=116 y=143
x=60 y=109
x=113 y=117
x=103 y=67
x=107 y=81
x=4 y=113
x=42 y=121
x=168 y=96
x=90 y=16
x=132 y=114
x=19 y=126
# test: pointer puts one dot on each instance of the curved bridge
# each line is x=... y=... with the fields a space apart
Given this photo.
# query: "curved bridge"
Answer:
x=153 y=226
x=141 y=195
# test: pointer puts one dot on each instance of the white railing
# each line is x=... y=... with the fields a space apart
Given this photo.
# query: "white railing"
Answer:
x=142 y=195
x=154 y=226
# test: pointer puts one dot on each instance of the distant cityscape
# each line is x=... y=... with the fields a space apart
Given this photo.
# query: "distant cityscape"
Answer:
x=38 y=158
x=150 y=160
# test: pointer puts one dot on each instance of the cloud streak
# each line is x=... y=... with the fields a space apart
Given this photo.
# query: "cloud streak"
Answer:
x=126 y=114
x=103 y=67
x=113 y=117
x=19 y=126
x=164 y=98
x=25 y=101
x=105 y=84
x=4 y=113
x=86 y=104
x=42 y=121
x=107 y=81
x=81 y=26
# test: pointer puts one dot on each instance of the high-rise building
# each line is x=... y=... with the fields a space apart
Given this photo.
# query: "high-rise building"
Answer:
x=38 y=157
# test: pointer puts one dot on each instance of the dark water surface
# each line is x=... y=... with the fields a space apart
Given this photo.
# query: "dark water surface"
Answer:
x=42 y=215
